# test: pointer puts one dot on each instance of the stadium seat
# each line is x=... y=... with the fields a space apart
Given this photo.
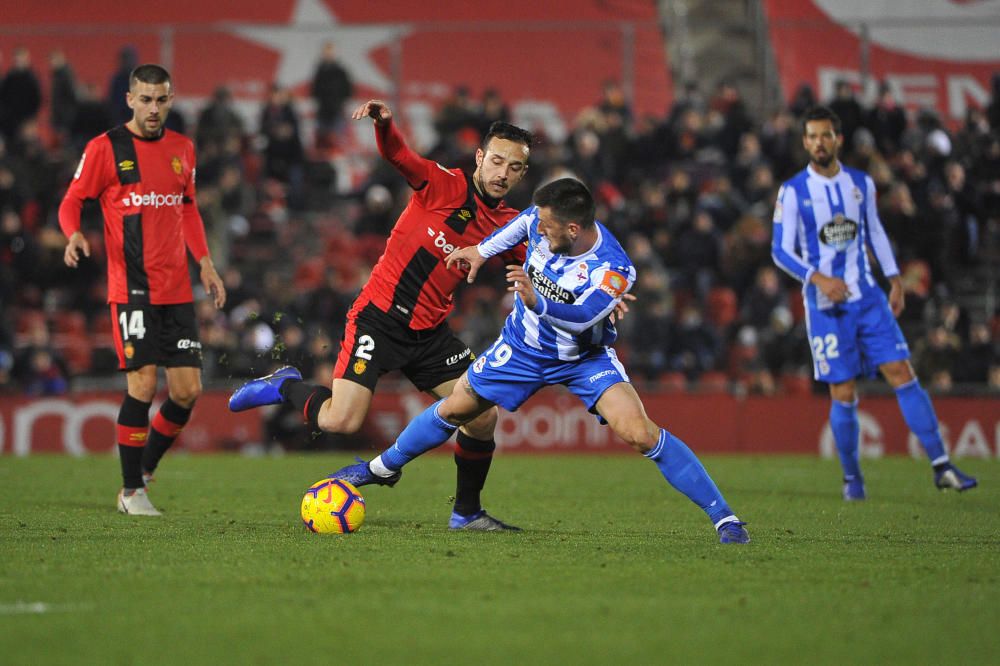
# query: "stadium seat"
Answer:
x=68 y=322
x=713 y=382
x=796 y=384
x=672 y=382
x=721 y=306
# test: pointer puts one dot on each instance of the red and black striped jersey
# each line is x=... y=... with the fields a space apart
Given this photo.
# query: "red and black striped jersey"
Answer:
x=410 y=281
x=146 y=191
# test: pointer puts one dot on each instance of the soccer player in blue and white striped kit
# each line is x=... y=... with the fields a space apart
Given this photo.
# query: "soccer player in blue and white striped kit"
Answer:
x=824 y=221
x=558 y=333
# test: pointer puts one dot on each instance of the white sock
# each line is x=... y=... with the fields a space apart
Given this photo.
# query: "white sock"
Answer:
x=379 y=469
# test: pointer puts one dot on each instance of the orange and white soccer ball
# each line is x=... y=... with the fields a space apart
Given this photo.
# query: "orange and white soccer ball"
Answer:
x=332 y=506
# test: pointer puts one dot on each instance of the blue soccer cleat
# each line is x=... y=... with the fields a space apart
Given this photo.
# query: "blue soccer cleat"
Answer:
x=733 y=532
x=480 y=521
x=361 y=475
x=263 y=390
x=854 y=489
x=950 y=477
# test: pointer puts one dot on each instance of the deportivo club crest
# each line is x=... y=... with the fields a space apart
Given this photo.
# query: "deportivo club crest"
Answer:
x=175 y=163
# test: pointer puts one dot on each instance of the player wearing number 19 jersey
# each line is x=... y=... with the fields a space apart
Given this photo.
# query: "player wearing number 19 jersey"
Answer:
x=824 y=221
x=575 y=275
x=398 y=320
x=143 y=176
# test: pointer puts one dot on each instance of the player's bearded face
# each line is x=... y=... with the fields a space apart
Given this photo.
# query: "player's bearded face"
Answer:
x=556 y=232
x=822 y=142
x=150 y=104
x=501 y=166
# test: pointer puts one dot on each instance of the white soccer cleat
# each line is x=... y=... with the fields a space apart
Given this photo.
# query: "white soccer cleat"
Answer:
x=136 y=504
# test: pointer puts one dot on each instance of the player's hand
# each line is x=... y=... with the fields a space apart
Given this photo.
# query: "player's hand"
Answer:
x=621 y=307
x=897 y=295
x=832 y=287
x=77 y=244
x=213 y=283
x=376 y=109
x=466 y=256
x=520 y=284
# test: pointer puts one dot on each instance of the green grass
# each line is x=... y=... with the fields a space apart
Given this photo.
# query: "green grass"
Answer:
x=614 y=566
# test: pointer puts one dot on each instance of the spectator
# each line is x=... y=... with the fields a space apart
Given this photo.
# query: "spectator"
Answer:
x=62 y=95
x=846 y=106
x=118 y=86
x=20 y=95
x=977 y=357
x=331 y=87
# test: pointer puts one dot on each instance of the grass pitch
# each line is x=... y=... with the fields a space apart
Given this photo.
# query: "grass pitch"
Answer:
x=614 y=567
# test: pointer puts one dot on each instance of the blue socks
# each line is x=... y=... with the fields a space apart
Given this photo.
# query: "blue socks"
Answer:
x=844 y=424
x=424 y=433
x=682 y=469
x=918 y=412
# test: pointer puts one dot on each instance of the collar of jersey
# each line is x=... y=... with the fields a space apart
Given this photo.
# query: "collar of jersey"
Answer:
x=816 y=174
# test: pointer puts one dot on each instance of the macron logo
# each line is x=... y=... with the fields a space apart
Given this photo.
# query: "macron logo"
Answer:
x=153 y=199
x=441 y=242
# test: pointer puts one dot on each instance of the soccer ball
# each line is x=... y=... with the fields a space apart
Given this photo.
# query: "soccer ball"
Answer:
x=332 y=506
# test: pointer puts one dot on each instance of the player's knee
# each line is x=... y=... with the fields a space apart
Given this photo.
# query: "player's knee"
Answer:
x=634 y=434
x=341 y=424
x=186 y=396
x=483 y=426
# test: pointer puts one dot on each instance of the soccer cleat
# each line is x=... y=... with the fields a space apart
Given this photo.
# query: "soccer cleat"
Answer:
x=854 y=489
x=733 y=532
x=949 y=477
x=361 y=475
x=263 y=390
x=480 y=521
x=136 y=504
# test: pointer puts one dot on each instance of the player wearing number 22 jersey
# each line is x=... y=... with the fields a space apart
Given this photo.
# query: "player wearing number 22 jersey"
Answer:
x=825 y=219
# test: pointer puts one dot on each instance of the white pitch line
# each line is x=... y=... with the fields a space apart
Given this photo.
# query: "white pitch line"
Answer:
x=40 y=607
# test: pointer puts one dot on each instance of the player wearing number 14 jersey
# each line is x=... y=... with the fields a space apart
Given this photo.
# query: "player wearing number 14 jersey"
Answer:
x=143 y=176
x=824 y=221
x=398 y=320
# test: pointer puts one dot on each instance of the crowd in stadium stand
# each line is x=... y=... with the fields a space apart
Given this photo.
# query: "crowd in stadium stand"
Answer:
x=690 y=193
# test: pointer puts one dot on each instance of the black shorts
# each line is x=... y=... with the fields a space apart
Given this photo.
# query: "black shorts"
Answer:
x=163 y=335
x=374 y=343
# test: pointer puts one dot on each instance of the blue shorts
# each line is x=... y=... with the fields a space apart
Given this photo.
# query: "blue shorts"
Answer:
x=508 y=375
x=852 y=340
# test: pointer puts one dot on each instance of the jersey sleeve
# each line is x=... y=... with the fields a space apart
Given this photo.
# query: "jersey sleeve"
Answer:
x=876 y=233
x=783 y=252
x=508 y=236
x=89 y=182
x=607 y=287
x=192 y=224
x=393 y=148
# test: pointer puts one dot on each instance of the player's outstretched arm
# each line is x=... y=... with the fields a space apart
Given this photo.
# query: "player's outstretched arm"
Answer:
x=77 y=244
x=466 y=256
x=375 y=109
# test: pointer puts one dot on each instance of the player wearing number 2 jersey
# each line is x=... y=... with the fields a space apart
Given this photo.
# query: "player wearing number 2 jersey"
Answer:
x=575 y=275
x=143 y=176
x=824 y=221
x=398 y=320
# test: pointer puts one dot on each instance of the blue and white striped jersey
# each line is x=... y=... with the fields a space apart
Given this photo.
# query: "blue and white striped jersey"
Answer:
x=824 y=224
x=575 y=294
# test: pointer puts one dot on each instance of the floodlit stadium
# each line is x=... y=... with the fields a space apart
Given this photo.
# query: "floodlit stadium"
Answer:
x=754 y=234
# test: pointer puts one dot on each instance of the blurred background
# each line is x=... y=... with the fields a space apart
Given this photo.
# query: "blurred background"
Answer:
x=681 y=115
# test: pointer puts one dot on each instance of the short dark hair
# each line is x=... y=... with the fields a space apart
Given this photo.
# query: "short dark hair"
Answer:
x=821 y=113
x=503 y=130
x=569 y=200
x=149 y=73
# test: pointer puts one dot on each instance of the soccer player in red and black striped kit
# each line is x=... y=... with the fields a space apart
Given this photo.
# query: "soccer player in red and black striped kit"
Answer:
x=398 y=319
x=143 y=176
